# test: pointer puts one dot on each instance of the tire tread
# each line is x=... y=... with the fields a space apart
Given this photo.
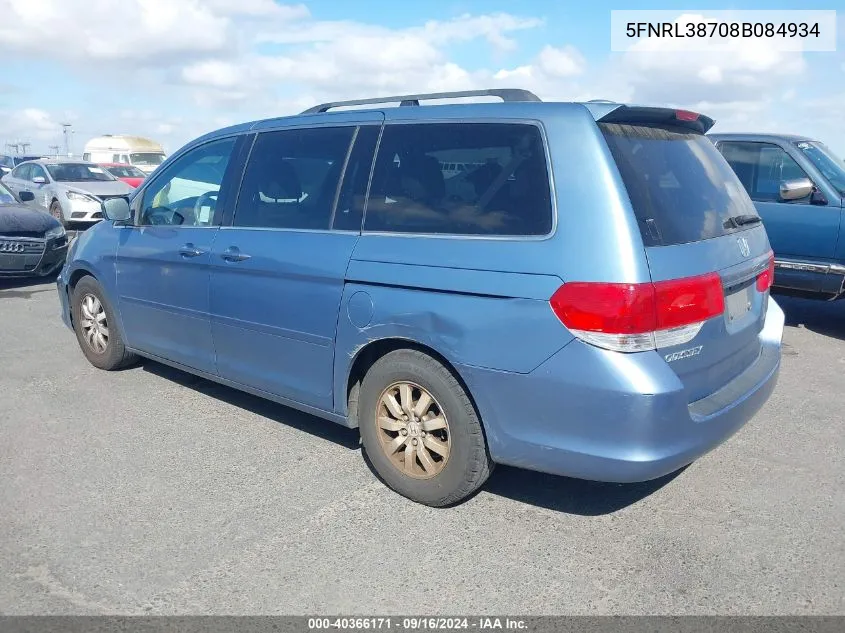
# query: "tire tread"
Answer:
x=480 y=467
x=117 y=356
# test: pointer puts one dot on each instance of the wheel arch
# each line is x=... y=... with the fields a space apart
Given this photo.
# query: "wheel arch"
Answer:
x=74 y=278
x=369 y=354
x=77 y=275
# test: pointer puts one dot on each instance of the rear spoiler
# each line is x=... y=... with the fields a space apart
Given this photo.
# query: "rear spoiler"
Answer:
x=606 y=112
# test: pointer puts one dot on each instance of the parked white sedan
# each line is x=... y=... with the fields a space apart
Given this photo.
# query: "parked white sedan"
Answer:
x=71 y=190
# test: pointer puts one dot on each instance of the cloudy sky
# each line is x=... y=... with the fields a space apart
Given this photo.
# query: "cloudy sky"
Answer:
x=173 y=69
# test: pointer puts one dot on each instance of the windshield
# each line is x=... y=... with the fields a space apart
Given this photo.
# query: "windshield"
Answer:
x=126 y=171
x=7 y=161
x=681 y=188
x=6 y=196
x=146 y=158
x=78 y=172
x=826 y=162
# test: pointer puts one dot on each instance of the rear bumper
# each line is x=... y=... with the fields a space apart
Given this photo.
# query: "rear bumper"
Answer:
x=604 y=416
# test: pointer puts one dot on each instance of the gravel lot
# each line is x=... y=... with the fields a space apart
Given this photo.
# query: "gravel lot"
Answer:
x=150 y=491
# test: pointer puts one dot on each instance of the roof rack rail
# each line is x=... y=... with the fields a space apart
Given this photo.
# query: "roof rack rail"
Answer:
x=505 y=94
x=600 y=101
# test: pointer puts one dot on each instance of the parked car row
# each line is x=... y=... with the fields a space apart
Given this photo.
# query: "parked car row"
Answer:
x=8 y=163
x=31 y=242
x=70 y=190
x=589 y=297
x=41 y=193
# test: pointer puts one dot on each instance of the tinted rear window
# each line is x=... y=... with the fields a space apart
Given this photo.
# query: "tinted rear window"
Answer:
x=681 y=188
x=461 y=179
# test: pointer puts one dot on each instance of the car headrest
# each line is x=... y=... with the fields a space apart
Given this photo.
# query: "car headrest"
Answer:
x=277 y=180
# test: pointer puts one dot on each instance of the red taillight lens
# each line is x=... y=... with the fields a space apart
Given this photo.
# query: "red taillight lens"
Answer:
x=610 y=308
x=690 y=300
x=686 y=115
x=633 y=317
x=766 y=278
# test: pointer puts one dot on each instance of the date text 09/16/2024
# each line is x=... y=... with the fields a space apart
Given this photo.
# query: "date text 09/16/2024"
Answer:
x=416 y=623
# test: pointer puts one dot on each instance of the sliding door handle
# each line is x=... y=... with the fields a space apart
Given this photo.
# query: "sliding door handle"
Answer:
x=189 y=250
x=233 y=254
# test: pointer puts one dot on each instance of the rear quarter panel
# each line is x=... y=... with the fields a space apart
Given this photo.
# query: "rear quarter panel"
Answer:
x=481 y=301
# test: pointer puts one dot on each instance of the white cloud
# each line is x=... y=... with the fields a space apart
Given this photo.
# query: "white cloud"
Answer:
x=258 y=9
x=99 y=33
x=723 y=70
x=233 y=60
x=213 y=73
x=32 y=125
x=345 y=59
x=561 y=62
x=138 y=31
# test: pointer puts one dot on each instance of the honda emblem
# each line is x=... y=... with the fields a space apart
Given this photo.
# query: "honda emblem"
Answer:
x=743 y=246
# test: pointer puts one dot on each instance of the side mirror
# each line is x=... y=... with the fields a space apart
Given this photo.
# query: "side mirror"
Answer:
x=796 y=189
x=818 y=198
x=39 y=180
x=26 y=196
x=116 y=209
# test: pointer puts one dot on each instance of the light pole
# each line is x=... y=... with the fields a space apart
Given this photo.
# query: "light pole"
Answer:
x=67 y=131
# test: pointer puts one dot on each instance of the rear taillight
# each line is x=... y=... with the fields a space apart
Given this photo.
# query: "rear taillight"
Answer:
x=767 y=277
x=638 y=317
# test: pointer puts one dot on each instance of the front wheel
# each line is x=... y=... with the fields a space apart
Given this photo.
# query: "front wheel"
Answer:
x=95 y=327
x=56 y=212
x=420 y=429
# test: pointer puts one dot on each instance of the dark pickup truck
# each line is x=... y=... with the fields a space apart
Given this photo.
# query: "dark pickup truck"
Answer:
x=798 y=187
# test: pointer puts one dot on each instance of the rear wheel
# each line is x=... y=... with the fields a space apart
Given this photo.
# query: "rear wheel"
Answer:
x=94 y=324
x=420 y=429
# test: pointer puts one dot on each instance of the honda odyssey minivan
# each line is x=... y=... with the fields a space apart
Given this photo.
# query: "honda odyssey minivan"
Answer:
x=588 y=296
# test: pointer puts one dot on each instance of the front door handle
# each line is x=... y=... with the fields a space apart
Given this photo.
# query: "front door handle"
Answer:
x=233 y=254
x=189 y=250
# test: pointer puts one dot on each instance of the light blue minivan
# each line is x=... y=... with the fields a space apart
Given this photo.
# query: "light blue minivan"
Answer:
x=575 y=288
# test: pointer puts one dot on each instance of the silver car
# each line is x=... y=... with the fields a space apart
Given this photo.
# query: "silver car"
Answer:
x=71 y=190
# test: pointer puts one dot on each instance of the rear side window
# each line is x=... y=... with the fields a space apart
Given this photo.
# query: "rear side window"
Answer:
x=680 y=187
x=460 y=179
x=22 y=173
x=292 y=178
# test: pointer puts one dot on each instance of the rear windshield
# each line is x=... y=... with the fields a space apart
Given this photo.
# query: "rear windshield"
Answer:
x=681 y=188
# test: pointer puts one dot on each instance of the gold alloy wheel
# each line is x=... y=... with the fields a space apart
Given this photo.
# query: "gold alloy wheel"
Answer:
x=412 y=430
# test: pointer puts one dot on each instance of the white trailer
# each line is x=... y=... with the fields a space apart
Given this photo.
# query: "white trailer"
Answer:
x=143 y=153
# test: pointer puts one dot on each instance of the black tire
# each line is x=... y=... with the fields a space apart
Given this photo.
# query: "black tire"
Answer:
x=468 y=465
x=56 y=212
x=115 y=354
